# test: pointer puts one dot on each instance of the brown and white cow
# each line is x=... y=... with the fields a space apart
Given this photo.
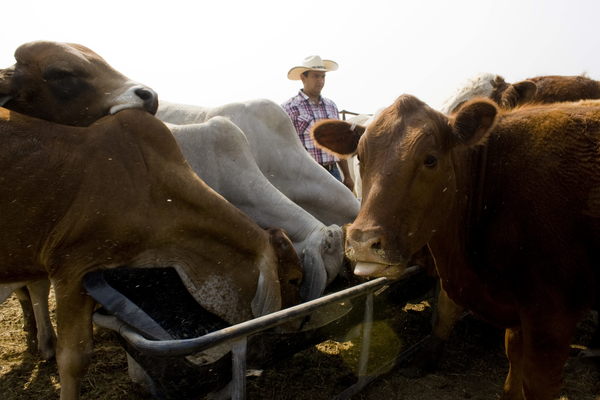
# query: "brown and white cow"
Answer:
x=119 y=192
x=540 y=89
x=70 y=84
x=218 y=151
x=509 y=205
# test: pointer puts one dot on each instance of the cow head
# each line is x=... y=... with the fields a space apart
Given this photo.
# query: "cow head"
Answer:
x=322 y=258
x=511 y=95
x=506 y=95
x=409 y=181
x=69 y=84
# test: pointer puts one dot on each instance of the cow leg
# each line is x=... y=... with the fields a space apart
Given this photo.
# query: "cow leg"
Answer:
x=513 y=385
x=445 y=316
x=29 y=325
x=46 y=338
x=74 y=327
x=546 y=343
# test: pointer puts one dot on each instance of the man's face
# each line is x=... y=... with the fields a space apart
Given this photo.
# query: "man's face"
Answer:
x=313 y=82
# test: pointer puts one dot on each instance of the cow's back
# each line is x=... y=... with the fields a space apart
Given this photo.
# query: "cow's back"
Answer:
x=557 y=88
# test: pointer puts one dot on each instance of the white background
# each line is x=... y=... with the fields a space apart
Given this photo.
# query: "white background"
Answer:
x=215 y=52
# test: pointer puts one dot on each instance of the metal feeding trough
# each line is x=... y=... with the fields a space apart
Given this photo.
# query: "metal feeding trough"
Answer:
x=176 y=349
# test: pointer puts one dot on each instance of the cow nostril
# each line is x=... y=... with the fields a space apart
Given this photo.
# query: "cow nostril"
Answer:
x=144 y=94
x=376 y=245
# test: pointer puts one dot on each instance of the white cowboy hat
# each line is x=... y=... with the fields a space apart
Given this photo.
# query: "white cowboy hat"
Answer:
x=312 y=63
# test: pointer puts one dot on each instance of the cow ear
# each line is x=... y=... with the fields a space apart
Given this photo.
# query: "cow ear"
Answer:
x=5 y=84
x=339 y=138
x=517 y=94
x=473 y=122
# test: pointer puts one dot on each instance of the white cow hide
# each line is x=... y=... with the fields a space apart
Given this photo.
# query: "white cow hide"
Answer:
x=279 y=155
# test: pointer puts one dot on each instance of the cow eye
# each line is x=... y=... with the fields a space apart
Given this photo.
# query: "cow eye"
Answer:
x=57 y=74
x=66 y=84
x=430 y=161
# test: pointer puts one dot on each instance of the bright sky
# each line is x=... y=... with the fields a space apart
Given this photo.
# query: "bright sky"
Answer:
x=219 y=51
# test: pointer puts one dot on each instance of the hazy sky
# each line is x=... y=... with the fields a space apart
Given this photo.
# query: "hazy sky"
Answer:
x=215 y=52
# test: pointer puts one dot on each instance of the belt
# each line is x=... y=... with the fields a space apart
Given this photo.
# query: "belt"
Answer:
x=329 y=166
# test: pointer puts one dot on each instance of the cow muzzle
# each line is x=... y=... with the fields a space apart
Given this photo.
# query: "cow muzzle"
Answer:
x=371 y=257
x=137 y=96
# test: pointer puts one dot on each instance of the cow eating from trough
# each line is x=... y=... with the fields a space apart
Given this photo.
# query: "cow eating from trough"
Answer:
x=218 y=151
x=70 y=84
x=509 y=204
x=119 y=192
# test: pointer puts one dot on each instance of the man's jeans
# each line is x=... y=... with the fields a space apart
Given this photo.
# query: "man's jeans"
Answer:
x=333 y=170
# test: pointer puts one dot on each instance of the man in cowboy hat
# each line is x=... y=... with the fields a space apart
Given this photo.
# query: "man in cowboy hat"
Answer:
x=308 y=106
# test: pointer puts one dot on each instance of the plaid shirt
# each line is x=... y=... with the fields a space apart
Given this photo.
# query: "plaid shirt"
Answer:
x=304 y=114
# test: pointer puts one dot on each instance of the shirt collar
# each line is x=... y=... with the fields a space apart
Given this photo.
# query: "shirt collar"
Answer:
x=305 y=96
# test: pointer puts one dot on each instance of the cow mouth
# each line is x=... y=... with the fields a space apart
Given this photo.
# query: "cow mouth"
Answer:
x=120 y=107
x=373 y=269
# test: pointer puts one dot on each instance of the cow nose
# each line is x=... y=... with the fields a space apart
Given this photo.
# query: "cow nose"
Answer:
x=372 y=244
x=364 y=245
x=149 y=97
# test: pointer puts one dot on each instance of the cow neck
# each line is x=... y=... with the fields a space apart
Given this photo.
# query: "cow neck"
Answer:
x=477 y=168
x=455 y=260
x=471 y=166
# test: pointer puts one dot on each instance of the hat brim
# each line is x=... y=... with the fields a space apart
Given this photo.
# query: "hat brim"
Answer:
x=295 y=72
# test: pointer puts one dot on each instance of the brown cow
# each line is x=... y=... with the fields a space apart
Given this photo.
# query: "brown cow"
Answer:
x=510 y=207
x=70 y=84
x=119 y=192
x=539 y=90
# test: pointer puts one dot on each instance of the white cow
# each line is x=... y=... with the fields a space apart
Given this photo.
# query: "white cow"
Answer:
x=279 y=154
x=219 y=153
x=480 y=85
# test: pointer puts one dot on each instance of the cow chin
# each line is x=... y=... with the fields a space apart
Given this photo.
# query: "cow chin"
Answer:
x=378 y=270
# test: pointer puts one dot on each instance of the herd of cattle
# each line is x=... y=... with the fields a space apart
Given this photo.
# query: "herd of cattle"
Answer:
x=500 y=191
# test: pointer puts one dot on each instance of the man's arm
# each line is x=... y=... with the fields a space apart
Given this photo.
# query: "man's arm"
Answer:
x=346 y=171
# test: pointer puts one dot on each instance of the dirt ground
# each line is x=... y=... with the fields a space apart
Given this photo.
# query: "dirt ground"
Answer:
x=472 y=367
